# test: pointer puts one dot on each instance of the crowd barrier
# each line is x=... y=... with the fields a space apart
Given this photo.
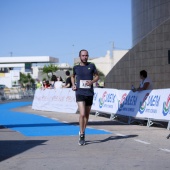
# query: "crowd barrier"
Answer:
x=151 y=105
x=14 y=93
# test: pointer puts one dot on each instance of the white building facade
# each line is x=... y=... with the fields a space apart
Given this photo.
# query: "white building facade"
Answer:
x=106 y=63
x=10 y=67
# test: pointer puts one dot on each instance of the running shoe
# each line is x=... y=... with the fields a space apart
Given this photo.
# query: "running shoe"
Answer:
x=81 y=139
x=80 y=134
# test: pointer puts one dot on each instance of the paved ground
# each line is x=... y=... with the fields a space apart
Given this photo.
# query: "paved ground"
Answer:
x=129 y=147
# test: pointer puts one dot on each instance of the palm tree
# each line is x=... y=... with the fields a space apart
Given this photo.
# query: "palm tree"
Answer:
x=26 y=81
x=49 y=69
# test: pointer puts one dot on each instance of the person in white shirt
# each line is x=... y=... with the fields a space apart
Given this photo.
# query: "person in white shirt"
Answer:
x=145 y=84
x=59 y=83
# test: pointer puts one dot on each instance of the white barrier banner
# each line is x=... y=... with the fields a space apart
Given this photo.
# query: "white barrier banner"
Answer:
x=57 y=100
x=127 y=102
x=105 y=100
x=153 y=104
x=145 y=104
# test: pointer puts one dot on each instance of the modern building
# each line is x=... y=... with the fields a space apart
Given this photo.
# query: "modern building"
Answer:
x=10 y=67
x=151 y=47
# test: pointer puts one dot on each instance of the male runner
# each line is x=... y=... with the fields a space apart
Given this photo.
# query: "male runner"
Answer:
x=84 y=75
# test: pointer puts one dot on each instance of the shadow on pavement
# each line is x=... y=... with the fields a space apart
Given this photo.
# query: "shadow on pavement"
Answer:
x=10 y=148
x=35 y=125
x=110 y=138
x=60 y=124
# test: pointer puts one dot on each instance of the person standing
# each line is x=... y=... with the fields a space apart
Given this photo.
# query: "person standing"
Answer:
x=47 y=84
x=59 y=83
x=68 y=83
x=84 y=75
x=38 y=85
x=53 y=80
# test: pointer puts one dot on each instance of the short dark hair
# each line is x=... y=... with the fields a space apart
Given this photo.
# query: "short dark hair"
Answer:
x=67 y=73
x=54 y=78
x=81 y=51
x=143 y=73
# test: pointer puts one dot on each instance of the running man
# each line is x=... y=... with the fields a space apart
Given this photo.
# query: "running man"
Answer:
x=84 y=75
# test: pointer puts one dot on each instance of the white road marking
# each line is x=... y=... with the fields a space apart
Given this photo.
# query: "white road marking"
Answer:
x=44 y=116
x=119 y=134
x=91 y=120
x=107 y=131
x=166 y=150
x=64 y=122
x=102 y=129
x=141 y=141
x=54 y=118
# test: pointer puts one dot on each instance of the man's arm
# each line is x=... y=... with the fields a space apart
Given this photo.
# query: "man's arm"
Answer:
x=145 y=86
x=95 y=79
x=68 y=85
x=67 y=82
x=73 y=82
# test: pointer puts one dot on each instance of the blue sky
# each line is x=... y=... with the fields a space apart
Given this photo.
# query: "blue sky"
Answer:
x=61 y=28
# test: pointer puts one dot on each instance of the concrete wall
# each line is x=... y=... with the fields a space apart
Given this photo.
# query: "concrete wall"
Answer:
x=151 y=43
x=151 y=54
x=147 y=15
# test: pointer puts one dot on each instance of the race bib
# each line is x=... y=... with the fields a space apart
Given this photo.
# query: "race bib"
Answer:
x=83 y=84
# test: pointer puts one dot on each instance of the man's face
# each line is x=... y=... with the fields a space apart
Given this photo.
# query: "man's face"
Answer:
x=84 y=56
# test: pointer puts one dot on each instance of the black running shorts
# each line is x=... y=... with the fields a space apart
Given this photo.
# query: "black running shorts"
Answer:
x=87 y=99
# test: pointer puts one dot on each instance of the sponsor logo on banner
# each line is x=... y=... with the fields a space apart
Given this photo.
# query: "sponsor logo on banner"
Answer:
x=142 y=105
x=166 y=106
x=149 y=104
x=127 y=103
x=107 y=100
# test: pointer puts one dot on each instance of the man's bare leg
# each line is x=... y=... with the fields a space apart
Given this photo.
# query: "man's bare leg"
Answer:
x=81 y=106
x=86 y=118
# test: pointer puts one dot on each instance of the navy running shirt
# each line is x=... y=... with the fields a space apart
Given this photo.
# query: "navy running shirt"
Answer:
x=83 y=73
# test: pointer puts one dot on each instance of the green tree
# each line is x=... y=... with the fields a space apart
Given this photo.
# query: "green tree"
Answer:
x=26 y=80
x=49 y=69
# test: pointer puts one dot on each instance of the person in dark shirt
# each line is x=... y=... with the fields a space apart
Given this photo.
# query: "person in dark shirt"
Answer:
x=84 y=75
x=53 y=80
x=68 y=83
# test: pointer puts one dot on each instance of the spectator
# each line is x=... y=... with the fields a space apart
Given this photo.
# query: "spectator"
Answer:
x=59 y=83
x=145 y=84
x=47 y=84
x=53 y=80
x=68 y=83
x=38 y=85
x=44 y=83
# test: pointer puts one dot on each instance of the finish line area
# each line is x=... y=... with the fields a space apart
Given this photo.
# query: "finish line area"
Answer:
x=36 y=125
x=36 y=139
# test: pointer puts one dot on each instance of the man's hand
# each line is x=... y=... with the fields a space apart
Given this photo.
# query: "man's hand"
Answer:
x=89 y=83
x=74 y=88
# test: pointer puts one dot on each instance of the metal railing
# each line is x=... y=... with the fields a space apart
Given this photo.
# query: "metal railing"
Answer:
x=14 y=93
